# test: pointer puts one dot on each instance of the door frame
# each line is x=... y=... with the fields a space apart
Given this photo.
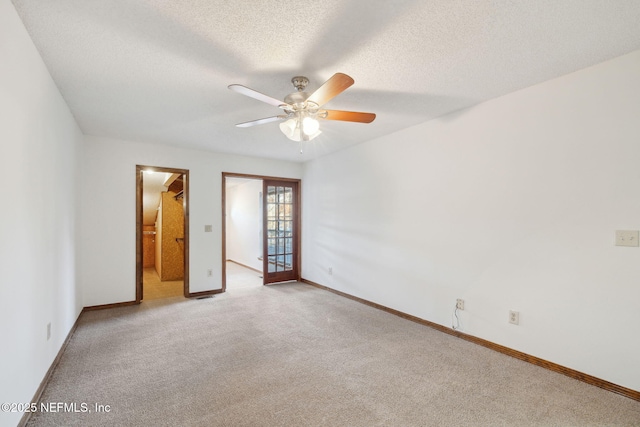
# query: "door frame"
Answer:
x=298 y=221
x=139 y=224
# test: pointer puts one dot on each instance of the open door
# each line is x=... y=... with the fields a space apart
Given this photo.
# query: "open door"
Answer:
x=281 y=231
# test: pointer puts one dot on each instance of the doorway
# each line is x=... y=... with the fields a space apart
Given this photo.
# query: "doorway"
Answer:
x=243 y=233
x=260 y=230
x=162 y=233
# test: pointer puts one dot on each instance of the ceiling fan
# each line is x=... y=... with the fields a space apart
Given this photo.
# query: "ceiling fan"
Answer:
x=302 y=110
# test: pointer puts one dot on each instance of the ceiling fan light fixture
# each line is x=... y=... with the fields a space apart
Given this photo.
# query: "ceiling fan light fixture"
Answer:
x=300 y=130
x=310 y=126
x=311 y=136
x=289 y=128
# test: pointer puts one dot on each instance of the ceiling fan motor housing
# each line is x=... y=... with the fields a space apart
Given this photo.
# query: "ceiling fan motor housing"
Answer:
x=297 y=99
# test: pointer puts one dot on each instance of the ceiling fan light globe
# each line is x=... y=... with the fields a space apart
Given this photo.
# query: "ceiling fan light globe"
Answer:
x=293 y=130
x=313 y=135
x=290 y=130
x=310 y=126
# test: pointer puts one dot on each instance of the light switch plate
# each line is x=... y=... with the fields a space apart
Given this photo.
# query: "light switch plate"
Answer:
x=627 y=237
x=208 y=228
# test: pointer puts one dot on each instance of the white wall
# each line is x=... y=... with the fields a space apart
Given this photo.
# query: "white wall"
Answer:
x=39 y=146
x=512 y=204
x=109 y=175
x=244 y=228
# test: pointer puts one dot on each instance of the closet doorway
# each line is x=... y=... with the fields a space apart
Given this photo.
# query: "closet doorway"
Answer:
x=162 y=233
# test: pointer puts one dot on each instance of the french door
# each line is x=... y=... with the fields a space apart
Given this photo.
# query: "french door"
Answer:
x=281 y=239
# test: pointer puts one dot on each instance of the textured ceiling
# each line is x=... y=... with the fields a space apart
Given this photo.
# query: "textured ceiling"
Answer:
x=158 y=71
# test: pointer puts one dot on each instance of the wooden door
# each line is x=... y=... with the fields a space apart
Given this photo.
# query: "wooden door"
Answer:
x=281 y=231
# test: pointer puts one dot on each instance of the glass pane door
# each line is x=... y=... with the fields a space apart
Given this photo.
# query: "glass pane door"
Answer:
x=280 y=231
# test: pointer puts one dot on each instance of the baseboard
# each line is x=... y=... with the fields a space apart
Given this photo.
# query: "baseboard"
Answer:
x=245 y=266
x=43 y=384
x=106 y=306
x=128 y=303
x=572 y=373
x=204 y=293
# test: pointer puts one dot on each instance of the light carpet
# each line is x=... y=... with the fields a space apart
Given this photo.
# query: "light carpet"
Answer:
x=154 y=288
x=295 y=355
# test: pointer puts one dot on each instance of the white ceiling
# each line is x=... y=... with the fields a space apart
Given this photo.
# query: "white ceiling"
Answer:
x=158 y=71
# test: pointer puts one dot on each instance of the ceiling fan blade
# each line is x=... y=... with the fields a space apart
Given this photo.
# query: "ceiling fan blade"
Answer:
x=350 y=116
x=333 y=87
x=261 y=121
x=259 y=96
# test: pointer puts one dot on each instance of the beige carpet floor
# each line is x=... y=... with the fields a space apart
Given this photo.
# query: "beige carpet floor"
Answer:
x=295 y=355
x=153 y=288
x=240 y=277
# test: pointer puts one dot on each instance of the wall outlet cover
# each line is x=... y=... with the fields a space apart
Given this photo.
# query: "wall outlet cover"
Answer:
x=514 y=317
x=627 y=237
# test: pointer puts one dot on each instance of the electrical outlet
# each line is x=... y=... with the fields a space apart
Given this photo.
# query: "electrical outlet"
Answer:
x=460 y=304
x=330 y=271
x=48 y=331
x=209 y=273
x=514 y=317
x=627 y=238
